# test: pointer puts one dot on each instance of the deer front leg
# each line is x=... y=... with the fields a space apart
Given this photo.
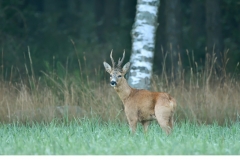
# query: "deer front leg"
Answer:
x=132 y=121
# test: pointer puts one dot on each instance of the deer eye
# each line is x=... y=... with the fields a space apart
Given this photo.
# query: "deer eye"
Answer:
x=119 y=76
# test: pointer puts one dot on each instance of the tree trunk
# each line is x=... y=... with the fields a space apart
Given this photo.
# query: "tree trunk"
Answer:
x=99 y=16
x=107 y=18
x=197 y=29
x=143 y=43
x=213 y=27
x=173 y=34
x=49 y=6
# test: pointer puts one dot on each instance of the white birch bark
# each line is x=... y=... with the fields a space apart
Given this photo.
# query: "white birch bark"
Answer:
x=143 y=44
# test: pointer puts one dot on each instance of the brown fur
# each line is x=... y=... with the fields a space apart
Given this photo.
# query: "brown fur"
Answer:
x=142 y=105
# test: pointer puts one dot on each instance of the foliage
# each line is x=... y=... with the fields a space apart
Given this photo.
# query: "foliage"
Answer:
x=52 y=32
x=92 y=137
x=203 y=96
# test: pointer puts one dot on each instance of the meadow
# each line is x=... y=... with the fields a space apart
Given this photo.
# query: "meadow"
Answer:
x=91 y=137
x=79 y=113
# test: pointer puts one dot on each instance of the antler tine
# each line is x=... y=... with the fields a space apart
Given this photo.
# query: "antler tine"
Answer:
x=113 y=63
x=120 y=61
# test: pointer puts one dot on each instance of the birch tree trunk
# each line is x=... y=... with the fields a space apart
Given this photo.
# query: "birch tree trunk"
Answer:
x=143 y=44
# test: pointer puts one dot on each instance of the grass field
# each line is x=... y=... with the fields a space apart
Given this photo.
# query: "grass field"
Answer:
x=203 y=98
x=85 y=137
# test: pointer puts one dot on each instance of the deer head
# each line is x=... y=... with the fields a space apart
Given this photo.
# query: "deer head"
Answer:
x=116 y=71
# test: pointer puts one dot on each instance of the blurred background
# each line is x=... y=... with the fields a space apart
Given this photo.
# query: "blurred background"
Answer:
x=52 y=54
x=60 y=31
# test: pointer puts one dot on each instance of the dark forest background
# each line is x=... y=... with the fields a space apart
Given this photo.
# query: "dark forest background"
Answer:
x=59 y=32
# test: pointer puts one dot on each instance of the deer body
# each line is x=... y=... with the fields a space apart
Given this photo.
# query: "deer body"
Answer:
x=141 y=105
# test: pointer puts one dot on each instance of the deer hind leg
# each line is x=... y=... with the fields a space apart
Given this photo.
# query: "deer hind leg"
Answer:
x=171 y=121
x=145 y=125
x=164 y=116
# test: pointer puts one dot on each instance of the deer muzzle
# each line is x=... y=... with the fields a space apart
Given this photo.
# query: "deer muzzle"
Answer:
x=113 y=83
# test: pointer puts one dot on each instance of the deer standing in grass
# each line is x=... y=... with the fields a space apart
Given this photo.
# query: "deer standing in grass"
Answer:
x=141 y=105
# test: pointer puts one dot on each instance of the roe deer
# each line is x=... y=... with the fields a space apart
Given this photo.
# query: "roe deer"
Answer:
x=141 y=105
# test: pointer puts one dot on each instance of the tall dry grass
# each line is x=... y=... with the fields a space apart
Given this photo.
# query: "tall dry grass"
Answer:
x=204 y=93
x=19 y=103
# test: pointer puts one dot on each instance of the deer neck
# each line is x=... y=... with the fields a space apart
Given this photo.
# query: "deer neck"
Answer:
x=123 y=89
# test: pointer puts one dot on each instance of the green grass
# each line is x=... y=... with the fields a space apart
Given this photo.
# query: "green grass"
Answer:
x=85 y=137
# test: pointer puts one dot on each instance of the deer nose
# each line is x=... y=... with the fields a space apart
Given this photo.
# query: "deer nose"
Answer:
x=113 y=83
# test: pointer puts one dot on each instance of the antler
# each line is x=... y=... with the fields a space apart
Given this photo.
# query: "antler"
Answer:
x=120 y=61
x=113 y=63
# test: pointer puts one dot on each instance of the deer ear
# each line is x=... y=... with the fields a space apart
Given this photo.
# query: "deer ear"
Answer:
x=126 y=67
x=107 y=67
